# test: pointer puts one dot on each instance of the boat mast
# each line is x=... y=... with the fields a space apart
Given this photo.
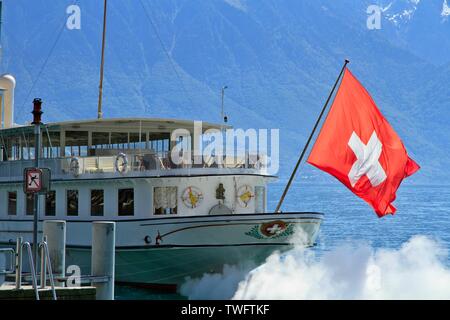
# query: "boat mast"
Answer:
x=100 y=87
x=1 y=49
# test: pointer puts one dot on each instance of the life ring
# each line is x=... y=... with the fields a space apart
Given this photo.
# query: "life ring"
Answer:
x=121 y=163
x=74 y=166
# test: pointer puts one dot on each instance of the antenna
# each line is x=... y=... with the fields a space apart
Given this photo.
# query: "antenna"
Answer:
x=100 y=87
x=224 y=117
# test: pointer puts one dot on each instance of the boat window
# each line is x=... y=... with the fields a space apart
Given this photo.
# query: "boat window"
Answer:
x=119 y=140
x=12 y=203
x=21 y=147
x=100 y=140
x=97 y=204
x=165 y=200
x=72 y=202
x=260 y=199
x=126 y=202
x=50 y=144
x=13 y=148
x=137 y=141
x=159 y=143
x=76 y=143
x=50 y=203
x=30 y=204
x=27 y=146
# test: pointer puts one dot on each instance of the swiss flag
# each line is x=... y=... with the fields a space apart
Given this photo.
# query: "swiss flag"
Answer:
x=358 y=146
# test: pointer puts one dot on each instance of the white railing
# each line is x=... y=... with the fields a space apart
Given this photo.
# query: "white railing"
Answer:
x=129 y=162
x=16 y=168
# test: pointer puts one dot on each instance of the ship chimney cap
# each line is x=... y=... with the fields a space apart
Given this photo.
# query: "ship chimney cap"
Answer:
x=10 y=78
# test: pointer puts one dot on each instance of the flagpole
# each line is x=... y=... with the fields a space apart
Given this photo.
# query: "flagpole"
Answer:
x=102 y=63
x=286 y=189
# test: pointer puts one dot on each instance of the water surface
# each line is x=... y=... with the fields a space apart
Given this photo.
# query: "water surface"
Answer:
x=421 y=210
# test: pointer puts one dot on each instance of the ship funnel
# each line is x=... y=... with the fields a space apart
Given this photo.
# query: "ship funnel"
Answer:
x=7 y=85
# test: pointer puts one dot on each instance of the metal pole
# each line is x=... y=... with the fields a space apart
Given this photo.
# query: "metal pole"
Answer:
x=2 y=267
x=43 y=265
x=55 y=231
x=49 y=268
x=277 y=210
x=35 y=195
x=223 y=96
x=37 y=147
x=19 y=263
x=223 y=92
x=100 y=87
x=103 y=257
x=32 y=269
x=1 y=24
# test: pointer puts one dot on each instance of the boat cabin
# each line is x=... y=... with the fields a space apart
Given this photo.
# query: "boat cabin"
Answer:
x=119 y=168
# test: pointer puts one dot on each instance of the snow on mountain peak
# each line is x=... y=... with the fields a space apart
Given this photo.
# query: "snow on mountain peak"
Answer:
x=400 y=12
x=237 y=4
x=445 y=10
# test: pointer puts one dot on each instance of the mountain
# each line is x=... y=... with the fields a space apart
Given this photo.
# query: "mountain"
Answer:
x=169 y=58
x=421 y=27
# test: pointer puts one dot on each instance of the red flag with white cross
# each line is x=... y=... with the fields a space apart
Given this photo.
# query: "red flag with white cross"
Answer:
x=358 y=146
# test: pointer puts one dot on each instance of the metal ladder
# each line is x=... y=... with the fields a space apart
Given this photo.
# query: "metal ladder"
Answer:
x=45 y=261
x=19 y=247
x=4 y=270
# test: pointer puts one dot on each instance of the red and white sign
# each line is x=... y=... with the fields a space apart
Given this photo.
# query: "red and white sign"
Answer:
x=33 y=180
x=359 y=147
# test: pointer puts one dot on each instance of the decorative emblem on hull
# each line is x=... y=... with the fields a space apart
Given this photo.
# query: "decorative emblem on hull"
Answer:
x=245 y=195
x=271 y=230
x=192 y=197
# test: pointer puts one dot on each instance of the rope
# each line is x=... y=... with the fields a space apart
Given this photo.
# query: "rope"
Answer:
x=41 y=70
x=155 y=29
x=46 y=61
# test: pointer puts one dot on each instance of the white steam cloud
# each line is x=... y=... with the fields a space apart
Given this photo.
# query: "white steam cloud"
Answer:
x=416 y=270
x=216 y=286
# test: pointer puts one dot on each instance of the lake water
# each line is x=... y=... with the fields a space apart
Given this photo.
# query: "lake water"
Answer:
x=421 y=210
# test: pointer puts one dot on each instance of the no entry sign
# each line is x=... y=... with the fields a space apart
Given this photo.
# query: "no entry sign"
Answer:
x=36 y=180
x=33 y=180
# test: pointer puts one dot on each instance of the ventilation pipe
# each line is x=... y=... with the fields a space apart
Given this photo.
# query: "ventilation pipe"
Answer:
x=7 y=85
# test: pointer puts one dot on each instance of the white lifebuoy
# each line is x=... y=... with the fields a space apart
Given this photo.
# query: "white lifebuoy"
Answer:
x=74 y=166
x=121 y=163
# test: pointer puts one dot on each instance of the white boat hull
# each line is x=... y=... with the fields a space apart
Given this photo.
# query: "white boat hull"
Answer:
x=165 y=251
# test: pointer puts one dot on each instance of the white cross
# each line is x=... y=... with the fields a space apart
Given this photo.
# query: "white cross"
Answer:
x=275 y=229
x=367 y=160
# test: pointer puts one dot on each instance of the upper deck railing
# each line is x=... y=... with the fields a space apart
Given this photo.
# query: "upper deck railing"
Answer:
x=132 y=165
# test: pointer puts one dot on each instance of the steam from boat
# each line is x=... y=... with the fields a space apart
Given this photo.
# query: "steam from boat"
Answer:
x=217 y=286
x=418 y=269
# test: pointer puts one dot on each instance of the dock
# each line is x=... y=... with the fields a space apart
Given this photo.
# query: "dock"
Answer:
x=26 y=292
x=53 y=282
